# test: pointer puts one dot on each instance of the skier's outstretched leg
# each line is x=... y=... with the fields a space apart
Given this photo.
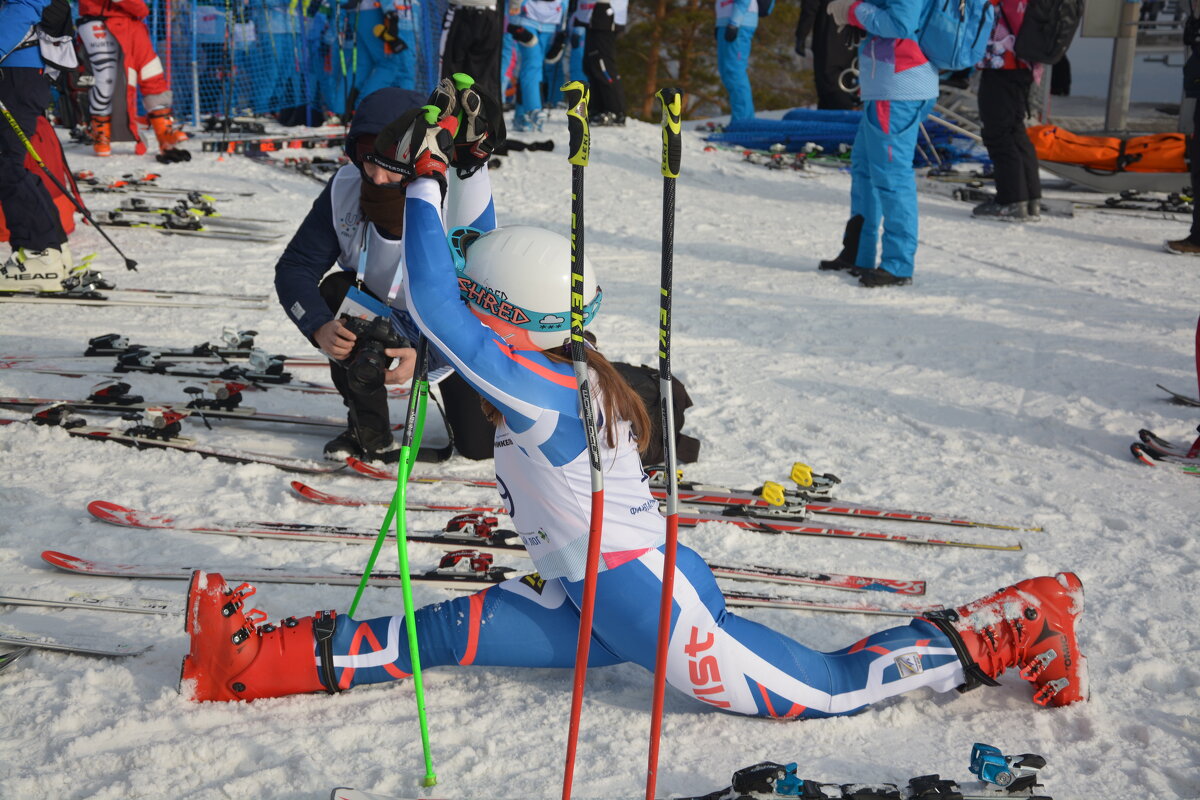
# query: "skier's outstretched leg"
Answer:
x=523 y=622
x=738 y=665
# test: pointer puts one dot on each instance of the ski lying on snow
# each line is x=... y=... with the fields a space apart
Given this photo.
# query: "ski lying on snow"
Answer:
x=10 y=658
x=239 y=374
x=313 y=495
x=200 y=413
x=134 y=437
x=82 y=643
x=465 y=571
x=1152 y=458
x=794 y=505
x=480 y=535
x=130 y=605
x=1179 y=399
x=460 y=573
x=741 y=516
x=154 y=298
x=1167 y=447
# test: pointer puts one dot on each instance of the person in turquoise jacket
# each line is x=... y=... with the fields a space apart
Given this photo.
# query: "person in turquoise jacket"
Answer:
x=898 y=86
x=736 y=22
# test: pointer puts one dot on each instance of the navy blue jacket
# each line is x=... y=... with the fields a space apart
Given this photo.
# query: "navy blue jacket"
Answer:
x=314 y=247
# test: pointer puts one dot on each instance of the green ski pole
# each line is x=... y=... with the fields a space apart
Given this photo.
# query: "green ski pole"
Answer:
x=409 y=445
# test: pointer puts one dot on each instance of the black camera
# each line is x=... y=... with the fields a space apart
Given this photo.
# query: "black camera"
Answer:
x=367 y=363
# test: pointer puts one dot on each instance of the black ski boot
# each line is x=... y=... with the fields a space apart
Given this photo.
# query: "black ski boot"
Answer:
x=845 y=259
x=1004 y=212
x=389 y=454
x=343 y=446
x=874 y=278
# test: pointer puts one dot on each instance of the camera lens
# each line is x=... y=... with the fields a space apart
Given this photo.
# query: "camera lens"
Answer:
x=366 y=369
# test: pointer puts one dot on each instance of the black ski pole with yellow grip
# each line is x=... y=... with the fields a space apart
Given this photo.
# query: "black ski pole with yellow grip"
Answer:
x=672 y=106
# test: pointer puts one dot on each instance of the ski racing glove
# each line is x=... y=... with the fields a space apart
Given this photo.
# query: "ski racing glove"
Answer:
x=417 y=144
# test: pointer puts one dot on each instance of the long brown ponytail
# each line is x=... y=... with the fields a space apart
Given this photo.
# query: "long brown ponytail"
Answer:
x=620 y=401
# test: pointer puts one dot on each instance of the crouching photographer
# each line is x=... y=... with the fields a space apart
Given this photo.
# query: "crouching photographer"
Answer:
x=339 y=280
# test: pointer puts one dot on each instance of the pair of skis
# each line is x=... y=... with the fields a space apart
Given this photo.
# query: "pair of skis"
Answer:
x=998 y=776
x=467 y=570
x=475 y=532
x=744 y=517
x=772 y=501
x=1156 y=451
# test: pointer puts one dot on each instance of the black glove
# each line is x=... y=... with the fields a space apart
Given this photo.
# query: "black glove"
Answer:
x=731 y=33
x=417 y=144
x=389 y=32
x=173 y=156
x=522 y=36
x=603 y=18
x=480 y=122
x=554 y=52
x=799 y=47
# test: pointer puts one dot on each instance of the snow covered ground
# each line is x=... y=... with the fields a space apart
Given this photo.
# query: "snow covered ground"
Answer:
x=1006 y=383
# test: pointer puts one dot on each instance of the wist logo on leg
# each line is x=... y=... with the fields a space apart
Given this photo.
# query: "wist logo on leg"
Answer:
x=703 y=670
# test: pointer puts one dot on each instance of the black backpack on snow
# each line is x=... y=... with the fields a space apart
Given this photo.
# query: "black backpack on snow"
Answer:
x=1047 y=30
x=644 y=381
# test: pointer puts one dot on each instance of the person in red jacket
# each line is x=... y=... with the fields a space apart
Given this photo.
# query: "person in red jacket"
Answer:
x=117 y=43
x=1004 y=84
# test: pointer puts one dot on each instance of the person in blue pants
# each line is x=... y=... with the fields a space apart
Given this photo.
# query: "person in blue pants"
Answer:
x=533 y=25
x=378 y=64
x=508 y=341
x=898 y=86
x=737 y=20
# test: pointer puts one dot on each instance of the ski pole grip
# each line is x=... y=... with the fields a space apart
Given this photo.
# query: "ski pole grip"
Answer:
x=672 y=108
x=577 y=95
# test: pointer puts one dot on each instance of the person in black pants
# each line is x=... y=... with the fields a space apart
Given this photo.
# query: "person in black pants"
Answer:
x=1004 y=84
x=607 y=104
x=1190 y=244
x=833 y=52
x=354 y=210
x=473 y=41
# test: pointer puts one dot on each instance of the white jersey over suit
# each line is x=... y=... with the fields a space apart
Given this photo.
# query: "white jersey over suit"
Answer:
x=542 y=469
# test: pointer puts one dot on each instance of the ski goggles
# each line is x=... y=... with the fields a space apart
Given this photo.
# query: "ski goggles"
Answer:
x=496 y=303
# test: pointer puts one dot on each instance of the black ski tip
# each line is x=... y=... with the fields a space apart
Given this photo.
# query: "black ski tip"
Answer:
x=7 y=659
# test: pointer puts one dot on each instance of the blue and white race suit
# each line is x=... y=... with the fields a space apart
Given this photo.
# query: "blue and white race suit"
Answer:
x=542 y=468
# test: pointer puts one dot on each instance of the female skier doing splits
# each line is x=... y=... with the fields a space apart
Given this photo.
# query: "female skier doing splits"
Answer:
x=506 y=340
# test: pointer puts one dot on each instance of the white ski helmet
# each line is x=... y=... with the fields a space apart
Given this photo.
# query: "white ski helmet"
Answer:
x=518 y=281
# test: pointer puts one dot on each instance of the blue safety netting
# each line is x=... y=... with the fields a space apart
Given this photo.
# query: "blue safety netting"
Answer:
x=241 y=57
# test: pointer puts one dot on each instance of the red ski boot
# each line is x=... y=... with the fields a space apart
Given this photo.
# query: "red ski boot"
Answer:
x=231 y=659
x=1031 y=625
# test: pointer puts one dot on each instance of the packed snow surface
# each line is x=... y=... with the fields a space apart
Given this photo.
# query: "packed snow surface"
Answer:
x=1005 y=384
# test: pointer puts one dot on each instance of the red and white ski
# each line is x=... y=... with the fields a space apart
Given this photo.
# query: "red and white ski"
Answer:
x=466 y=571
x=477 y=532
x=745 y=517
x=792 y=502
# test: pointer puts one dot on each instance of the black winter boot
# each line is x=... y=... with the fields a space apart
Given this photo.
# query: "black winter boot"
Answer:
x=845 y=259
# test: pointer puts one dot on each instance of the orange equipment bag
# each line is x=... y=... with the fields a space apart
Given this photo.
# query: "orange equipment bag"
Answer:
x=46 y=143
x=1160 y=152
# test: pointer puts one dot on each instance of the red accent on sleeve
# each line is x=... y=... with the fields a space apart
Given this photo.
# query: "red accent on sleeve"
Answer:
x=852 y=17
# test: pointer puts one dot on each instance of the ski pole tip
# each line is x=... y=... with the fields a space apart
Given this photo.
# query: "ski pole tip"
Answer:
x=429 y=780
x=131 y=265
